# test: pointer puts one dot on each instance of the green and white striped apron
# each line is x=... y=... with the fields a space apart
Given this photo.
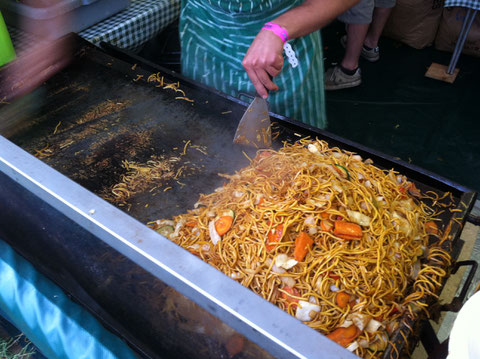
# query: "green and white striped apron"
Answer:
x=215 y=36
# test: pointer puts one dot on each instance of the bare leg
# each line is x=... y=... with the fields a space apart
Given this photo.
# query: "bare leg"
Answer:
x=380 y=17
x=355 y=37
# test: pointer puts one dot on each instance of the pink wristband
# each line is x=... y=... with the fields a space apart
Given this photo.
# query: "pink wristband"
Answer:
x=277 y=30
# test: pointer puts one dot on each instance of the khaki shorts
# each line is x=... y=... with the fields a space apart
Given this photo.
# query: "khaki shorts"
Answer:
x=363 y=11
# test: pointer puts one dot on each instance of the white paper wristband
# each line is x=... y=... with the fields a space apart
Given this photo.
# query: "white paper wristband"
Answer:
x=292 y=58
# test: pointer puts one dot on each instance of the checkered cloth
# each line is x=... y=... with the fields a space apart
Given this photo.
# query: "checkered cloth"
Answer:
x=132 y=27
x=472 y=4
x=22 y=40
x=129 y=29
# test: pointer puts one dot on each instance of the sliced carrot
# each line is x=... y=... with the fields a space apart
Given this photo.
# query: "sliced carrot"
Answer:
x=264 y=154
x=344 y=336
x=235 y=345
x=347 y=230
x=194 y=252
x=393 y=311
x=274 y=236
x=191 y=224
x=413 y=190
x=260 y=201
x=303 y=243
x=326 y=225
x=431 y=228
x=333 y=276
x=342 y=171
x=293 y=292
x=403 y=191
x=324 y=215
x=342 y=299
x=264 y=173
x=223 y=224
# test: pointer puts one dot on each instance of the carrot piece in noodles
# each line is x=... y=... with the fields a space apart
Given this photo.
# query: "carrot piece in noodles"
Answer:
x=235 y=345
x=290 y=297
x=347 y=230
x=223 y=224
x=342 y=299
x=325 y=225
x=431 y=228
x=333 y=276
x=344 y=336
x=302 y=245
x=274 y=236
x=191 y=224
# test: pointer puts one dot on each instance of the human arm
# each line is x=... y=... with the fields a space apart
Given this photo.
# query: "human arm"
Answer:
x=264 y=57
x=36 y=61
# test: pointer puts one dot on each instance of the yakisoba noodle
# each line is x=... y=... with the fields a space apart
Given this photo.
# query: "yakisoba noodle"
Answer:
x=359 y=281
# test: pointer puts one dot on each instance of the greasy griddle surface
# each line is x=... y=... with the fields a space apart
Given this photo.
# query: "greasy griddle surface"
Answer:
x=93 y=117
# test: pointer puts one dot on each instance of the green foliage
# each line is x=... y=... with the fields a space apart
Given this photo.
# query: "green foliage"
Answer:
x=11 y=349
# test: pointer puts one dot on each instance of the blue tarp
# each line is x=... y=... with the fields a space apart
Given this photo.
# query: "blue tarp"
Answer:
x=58 y=327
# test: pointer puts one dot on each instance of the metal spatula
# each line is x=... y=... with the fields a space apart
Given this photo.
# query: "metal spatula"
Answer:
x=254 y=127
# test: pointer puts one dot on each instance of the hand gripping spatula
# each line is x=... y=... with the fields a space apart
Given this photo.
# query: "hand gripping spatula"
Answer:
x=254 y=127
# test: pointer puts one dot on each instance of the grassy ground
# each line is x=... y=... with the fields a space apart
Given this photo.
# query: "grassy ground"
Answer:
x=11 y=348
x=14 y=344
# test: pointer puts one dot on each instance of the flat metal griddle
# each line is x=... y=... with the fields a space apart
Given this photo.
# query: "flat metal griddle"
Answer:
x=106 y=118
x=101 y=111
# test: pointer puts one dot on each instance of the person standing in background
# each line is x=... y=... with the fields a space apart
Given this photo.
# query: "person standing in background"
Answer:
x=364 y=25
x=237 y=47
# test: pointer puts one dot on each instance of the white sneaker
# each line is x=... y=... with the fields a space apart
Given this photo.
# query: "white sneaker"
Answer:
x=336 y=79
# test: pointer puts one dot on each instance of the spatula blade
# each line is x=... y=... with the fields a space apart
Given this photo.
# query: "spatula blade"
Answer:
x=254 y=127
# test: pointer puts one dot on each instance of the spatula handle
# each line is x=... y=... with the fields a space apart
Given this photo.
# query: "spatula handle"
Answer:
x=240 y=94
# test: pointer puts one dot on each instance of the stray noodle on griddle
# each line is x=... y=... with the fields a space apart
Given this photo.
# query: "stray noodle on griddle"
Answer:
x=333 y=240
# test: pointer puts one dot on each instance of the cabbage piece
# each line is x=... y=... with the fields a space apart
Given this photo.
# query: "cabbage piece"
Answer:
x=306 y=311
x=352 y=347
x=214 y=236
x=284 y=261
x=373 y=325
x=359 y=218
x=360 y=320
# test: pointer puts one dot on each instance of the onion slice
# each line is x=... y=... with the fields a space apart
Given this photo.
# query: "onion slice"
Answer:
x=214 y=236
x=318 y=284
x=352 y=347
x=310 y=221
x=284 y=261
x=165 y=222
x=305 y=309
x=312 y=147
x=373 y=325
x=360 y=320
x=415 y=269
x=288 y=281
